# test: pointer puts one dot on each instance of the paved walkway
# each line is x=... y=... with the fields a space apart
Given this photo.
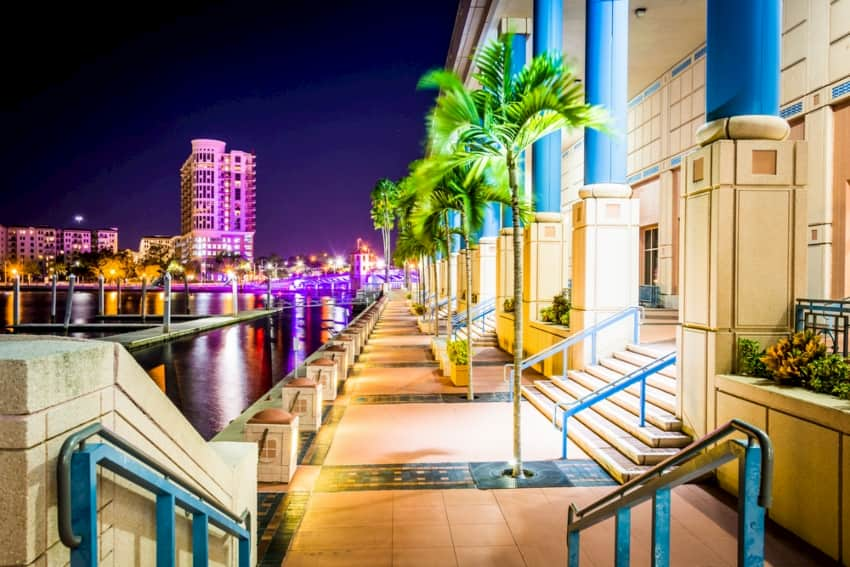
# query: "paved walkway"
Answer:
x=391 y=480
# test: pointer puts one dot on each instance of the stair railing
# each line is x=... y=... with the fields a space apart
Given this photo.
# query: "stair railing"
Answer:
x=638 y=375
x=479 y=312
x=561 y=347
x=755 y=483
x=76 y=475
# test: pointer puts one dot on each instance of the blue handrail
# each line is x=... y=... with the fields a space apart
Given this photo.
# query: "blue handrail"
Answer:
x=77 y=500
x=755 y=483
x=591 y=332
x=608 y=390
x=481 y=310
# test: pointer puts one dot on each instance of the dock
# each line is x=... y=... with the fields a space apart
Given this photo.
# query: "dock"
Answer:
x=140 y=335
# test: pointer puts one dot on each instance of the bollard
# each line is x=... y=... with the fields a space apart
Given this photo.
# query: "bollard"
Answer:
x=186 y=294
x=166 y=310
x=53 y=298
x=234 y=284
x=269 y=293
x=16 y=301
x=100 y=311
x=118 y=298
x=143 y=302
x=69 y=301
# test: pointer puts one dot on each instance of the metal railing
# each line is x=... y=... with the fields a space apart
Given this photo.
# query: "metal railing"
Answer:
x=827 y=317
x=755 y=483
x=608 y=390
x=479 y=312
x=76 y=476
x=561 y=347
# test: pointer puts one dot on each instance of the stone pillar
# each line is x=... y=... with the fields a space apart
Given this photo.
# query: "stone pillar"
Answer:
x=505 y=287
x=484 y=268
x=543 y=263
x=667 y=233
x=743 y=231
x=460 y=278
x=606 y=227
x=821 y=140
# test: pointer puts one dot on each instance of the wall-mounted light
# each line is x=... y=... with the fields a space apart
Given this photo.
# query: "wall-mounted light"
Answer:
x=640 y=12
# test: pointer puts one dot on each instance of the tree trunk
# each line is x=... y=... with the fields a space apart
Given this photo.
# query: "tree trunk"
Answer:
x=517 y=381
x=470 y=394
x=448 y=279
x=436 y=314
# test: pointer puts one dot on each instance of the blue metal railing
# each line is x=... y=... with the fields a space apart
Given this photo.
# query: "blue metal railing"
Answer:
x=561 y=347
x=478 y=313
x=827 y=317
x=77 y=500
x=608 y=390
x=755 y=484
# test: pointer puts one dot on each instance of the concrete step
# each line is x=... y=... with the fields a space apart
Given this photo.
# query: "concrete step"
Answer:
x=617 y=465
x=613 y=369
x=649 y=434
x=623 y=441
x=660 y=418
x=647 y=355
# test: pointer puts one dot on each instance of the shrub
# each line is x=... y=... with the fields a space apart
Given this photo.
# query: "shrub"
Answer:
x=559 y=312
x=508 y=305
x=830 y=375
x=408 y=295
x=749 y=359
x=419 y=309
x=458 y=352
x=788 y=359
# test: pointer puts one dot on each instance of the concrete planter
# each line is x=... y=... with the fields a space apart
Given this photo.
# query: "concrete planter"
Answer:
x=459 y=374
x=811 y=439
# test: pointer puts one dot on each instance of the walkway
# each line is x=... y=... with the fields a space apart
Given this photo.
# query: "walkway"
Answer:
x=394 y=478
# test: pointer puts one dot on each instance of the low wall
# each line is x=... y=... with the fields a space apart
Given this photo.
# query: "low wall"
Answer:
x=811 y=439
x=51 y=387
x=537 y=336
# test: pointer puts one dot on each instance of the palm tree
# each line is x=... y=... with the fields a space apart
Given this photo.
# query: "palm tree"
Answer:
x=384 y=201
x=495 y=124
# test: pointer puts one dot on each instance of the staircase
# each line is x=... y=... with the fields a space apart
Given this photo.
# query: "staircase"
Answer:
x=609 y=431
x=483 y=332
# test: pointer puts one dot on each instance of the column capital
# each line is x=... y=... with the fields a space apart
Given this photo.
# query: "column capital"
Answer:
x=519 y=26
x=605 y=191
x=744 y=127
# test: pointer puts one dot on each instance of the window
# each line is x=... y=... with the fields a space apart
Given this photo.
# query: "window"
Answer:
x=268 y=452
x=238 y=159
x=650 y=256
x=301 y=406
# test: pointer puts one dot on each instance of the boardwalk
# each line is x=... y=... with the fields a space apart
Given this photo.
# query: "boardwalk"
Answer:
x=395 y=477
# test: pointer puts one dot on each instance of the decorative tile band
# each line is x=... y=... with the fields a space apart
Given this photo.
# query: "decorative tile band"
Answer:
x=700 y=52
x=841 y=89
x=655 y=86
x=633 y=178
x=789 y=111
x=676 y=160
x=651 y=171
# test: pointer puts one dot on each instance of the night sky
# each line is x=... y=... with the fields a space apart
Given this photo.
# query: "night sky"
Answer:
x=97 y=119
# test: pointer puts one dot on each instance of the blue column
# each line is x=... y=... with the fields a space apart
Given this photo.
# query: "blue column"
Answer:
x=606 y=80
x=491 y=221
x=454 y=222
x=518 y=49
x=742 y=68
x=546 y=173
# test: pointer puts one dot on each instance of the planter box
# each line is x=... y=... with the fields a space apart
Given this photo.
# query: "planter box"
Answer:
x=459 y=374
x=810 y=433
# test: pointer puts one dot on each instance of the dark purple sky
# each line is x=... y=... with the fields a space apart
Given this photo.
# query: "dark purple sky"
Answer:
x=97 y=119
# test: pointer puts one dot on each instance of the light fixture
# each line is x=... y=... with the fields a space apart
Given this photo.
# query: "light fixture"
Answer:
x=640 y=12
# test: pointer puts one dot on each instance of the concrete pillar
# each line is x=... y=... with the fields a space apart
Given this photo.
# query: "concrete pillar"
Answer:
x=667 y=205
x=460 y=278
x=743 y=232
x=543 y=264
x=505 y=288
x=547 y=37
x=820 y=138
x=606 y=222
x=484 y=268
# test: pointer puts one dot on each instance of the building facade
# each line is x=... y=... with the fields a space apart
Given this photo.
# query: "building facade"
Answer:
x=217 y=204
x=164 y=242
x=666 y=106
x=105 y=239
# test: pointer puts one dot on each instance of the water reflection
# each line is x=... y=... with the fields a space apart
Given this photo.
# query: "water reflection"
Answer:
x=213 y=377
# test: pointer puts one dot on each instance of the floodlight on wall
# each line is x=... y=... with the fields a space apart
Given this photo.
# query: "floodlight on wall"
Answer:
x=640 y=12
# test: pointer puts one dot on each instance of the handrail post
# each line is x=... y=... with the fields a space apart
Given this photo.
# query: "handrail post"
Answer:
x=661 y=528
x=593 y=347
x=636 y=326
x=84 y=509
x=750 y=514
x=166 y=540
x=53 y=284
x=572 y=541
x=200 y=540
x=643 y=402
x=564 y=435
x=622 y=530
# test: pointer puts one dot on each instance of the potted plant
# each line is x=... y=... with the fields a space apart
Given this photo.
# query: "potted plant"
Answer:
x=418 y=309
x=508 y=305
x=559 y=312
x=458 y=362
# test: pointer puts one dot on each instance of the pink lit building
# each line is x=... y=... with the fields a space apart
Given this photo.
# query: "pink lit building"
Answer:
x=217 y=204
x=106 y=239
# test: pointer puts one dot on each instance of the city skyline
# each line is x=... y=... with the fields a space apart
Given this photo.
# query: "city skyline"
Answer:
x=96 y=123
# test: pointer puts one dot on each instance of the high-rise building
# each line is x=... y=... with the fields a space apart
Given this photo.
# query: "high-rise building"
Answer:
x=217 y=204
x=32 y=243
x=76 y=241
x=106 y=239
